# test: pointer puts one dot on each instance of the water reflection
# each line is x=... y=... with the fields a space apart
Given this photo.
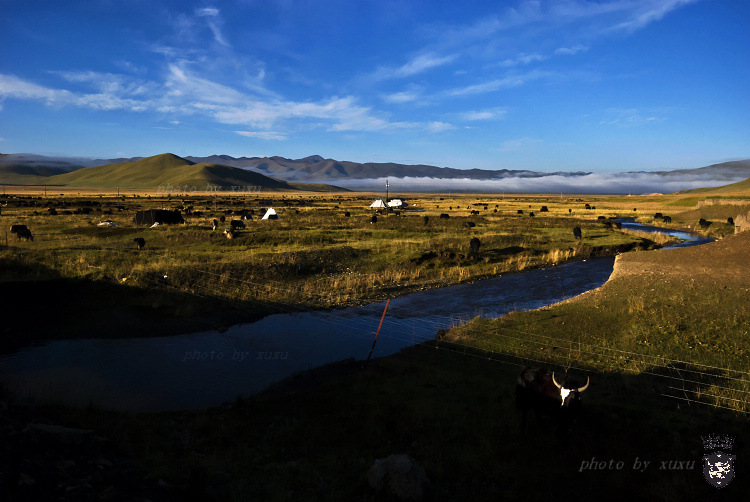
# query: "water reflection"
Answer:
x=205 y=369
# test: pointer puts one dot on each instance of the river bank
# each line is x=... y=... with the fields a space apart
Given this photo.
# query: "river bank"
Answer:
x=83 y=308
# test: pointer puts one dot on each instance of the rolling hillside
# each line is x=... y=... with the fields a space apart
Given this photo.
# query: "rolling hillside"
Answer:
x=733 y=188
x=158 y=172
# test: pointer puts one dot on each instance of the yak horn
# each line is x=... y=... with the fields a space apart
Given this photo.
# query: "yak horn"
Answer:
x=581 y=389
x=555 y=381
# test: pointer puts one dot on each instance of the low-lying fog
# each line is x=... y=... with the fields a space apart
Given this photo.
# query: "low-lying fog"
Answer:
x=624 y=183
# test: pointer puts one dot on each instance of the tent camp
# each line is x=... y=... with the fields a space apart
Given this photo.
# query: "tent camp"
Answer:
x=396 y=203
x=270 y=215
x=378 y=204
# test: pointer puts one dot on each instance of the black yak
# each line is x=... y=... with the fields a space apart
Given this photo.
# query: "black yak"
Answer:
x=577 y=232
x=140 y=242
x=538 y=390
x=474 y=245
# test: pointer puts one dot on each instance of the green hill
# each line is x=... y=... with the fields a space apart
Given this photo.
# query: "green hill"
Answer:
x=740 y=186
x=157 y=172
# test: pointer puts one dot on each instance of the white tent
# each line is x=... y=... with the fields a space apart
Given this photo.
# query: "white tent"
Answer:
x=396 y=203
x=270 y=215
x=378 y=204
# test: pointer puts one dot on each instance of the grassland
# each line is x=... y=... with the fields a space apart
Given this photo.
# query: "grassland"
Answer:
x=189 y=277
x=667 y=319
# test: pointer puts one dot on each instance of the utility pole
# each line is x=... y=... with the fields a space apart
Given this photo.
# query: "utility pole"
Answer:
x=386 y=191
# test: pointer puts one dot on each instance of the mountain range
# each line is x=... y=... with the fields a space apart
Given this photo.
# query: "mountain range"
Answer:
x=279 y=173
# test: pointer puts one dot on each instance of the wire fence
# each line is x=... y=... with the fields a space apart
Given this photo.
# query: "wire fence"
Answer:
x=684 y=381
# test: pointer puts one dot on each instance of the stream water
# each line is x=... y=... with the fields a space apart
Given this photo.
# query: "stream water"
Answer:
x=205 y=369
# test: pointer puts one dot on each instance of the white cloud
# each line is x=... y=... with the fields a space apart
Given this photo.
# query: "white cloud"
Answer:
x=263 y=135
x=440 y=126
x=570 y=51
x=401 y=97
x=522 y=59
x=501 y=83
x=416 y=66
x=488 y=114
x=213 y=19
x=646 y=12
x=422 y=63
x=632 y=117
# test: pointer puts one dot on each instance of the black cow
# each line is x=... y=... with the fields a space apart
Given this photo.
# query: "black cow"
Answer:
x=668 y=219
x=577 y=233
x=426 y=219
x=140 y=242
x=374 y=219
x=471 y=224
x=444 y=216
x=160 y=216
x=24 y=233
x=15 y=228
x=237 y=224
x=214 y=224
x=537 y=390
x=474 y=245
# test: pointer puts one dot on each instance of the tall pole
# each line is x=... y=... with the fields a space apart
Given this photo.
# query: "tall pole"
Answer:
x=386 y=191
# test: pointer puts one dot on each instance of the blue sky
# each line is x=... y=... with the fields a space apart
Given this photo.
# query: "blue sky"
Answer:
x=564 y=85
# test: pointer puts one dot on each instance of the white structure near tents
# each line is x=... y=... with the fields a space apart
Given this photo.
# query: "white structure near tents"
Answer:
x=270 y=215
x=396 y=203
x=378 y=204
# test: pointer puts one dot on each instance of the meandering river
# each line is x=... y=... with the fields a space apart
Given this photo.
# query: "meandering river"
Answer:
x=205 y=369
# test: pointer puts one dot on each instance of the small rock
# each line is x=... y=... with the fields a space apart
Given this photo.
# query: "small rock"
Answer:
x=400 y=476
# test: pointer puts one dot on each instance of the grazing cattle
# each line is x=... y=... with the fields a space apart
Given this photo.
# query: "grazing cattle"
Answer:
x=374 y=219
x=474 y=212
x=544 y=209
x=14 y=229
x=347 y=214
x=658 y=216
x=444 y=216
x=426 y=219
x=214 y=224
x=520 y=211
x=237 y=224
x=577 y=233
x=139 y=242
x=161 y=216
x=471 y=224
x=24 y=233
x=668 y=219
x=538 y=390
x=474 y=245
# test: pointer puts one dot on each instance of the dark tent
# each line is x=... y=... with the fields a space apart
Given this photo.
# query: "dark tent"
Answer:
x=161 y=216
